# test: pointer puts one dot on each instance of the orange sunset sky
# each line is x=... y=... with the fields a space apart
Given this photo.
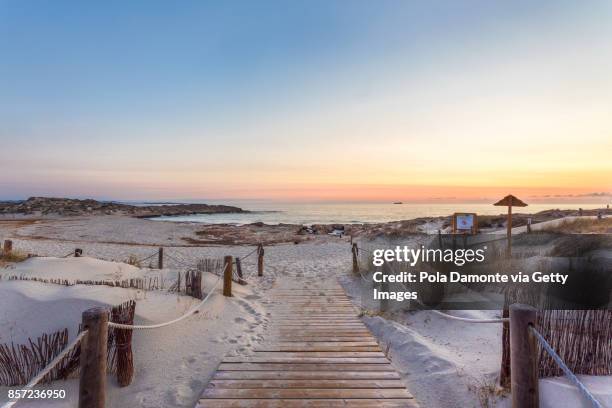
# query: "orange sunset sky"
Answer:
x=418 y=101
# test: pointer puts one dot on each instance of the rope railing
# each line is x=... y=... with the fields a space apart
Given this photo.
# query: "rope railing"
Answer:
x=194 y=310
x=156 y=253
x=469 y=320
x=249 y=254
x=45 y=371
x=179 y=261
x=570 y=375
x=363 y=277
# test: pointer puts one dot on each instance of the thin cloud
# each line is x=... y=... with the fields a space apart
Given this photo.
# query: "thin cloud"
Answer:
x=594 y=194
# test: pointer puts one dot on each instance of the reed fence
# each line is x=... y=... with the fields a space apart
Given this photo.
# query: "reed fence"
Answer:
x=19 y=363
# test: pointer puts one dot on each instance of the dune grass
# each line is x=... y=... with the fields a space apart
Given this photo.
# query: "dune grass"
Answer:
x=583 y=226
x=12 y=257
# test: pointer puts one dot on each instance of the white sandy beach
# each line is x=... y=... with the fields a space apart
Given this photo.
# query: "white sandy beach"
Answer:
x=443 y=363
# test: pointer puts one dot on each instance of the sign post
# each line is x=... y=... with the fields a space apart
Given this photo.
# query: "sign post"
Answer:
x=465 y=223
x=510 y=201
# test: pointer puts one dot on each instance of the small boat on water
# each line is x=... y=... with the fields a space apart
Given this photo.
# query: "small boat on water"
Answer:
x=398 y=202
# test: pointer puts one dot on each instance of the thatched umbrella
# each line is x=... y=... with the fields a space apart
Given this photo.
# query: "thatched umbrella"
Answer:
x=510 y=201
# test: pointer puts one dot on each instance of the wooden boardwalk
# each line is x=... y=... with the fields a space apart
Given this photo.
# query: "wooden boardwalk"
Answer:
x=317 y=354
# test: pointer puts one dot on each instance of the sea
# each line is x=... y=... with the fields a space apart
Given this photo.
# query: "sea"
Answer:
x=277 y=212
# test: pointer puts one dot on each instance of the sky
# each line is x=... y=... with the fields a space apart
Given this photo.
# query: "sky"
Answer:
x=330 y=100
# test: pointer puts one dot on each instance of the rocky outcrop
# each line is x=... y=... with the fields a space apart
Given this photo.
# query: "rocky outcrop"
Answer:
x=68 y=207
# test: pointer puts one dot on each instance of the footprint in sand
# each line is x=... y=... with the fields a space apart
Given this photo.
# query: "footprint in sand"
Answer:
x=196 y=385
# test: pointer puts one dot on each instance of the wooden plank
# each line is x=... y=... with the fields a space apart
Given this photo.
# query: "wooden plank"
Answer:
x=303 y=367
x=290 y=393
x=317 y=325
x=306 y=375
x=307 y=319
x=313 y=383
x=308 y=360
x=317 y=339
x=317 y=348
x=309 y=403
x=321 y=344
x=316 y=332
x=312 y=348
x=328 y=354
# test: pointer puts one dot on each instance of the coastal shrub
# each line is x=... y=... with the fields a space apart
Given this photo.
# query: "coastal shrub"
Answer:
x=133 y=260
x=13 y=256
x=582 y=226
x=576 y=245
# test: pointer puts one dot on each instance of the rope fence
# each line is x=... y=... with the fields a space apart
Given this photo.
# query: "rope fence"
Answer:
x=179 y=261
x=146 y=258
x=468 y=320
x=190 y=312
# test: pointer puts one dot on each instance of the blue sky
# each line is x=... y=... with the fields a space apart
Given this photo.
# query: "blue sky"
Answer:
x=150 y=99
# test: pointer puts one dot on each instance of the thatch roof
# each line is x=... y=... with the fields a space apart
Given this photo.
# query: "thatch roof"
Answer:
x=510 y=200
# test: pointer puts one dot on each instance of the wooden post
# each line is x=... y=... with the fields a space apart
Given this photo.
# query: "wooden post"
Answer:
x=504 y=373
x=355 y=251
x=227 y=276
x=92 y=382
x=509 y=228
x=239 y=272
x=78 y=252
x=238 y=268
x=8 y=246
x=384 y=287
x=523 y=357
x=160 y=258
x=260 y=260
x=529 y=225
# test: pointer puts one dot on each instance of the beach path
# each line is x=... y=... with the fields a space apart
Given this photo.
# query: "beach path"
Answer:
x=317 y=353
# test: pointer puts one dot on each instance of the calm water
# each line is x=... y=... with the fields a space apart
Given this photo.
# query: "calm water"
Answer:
x=347 y=213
